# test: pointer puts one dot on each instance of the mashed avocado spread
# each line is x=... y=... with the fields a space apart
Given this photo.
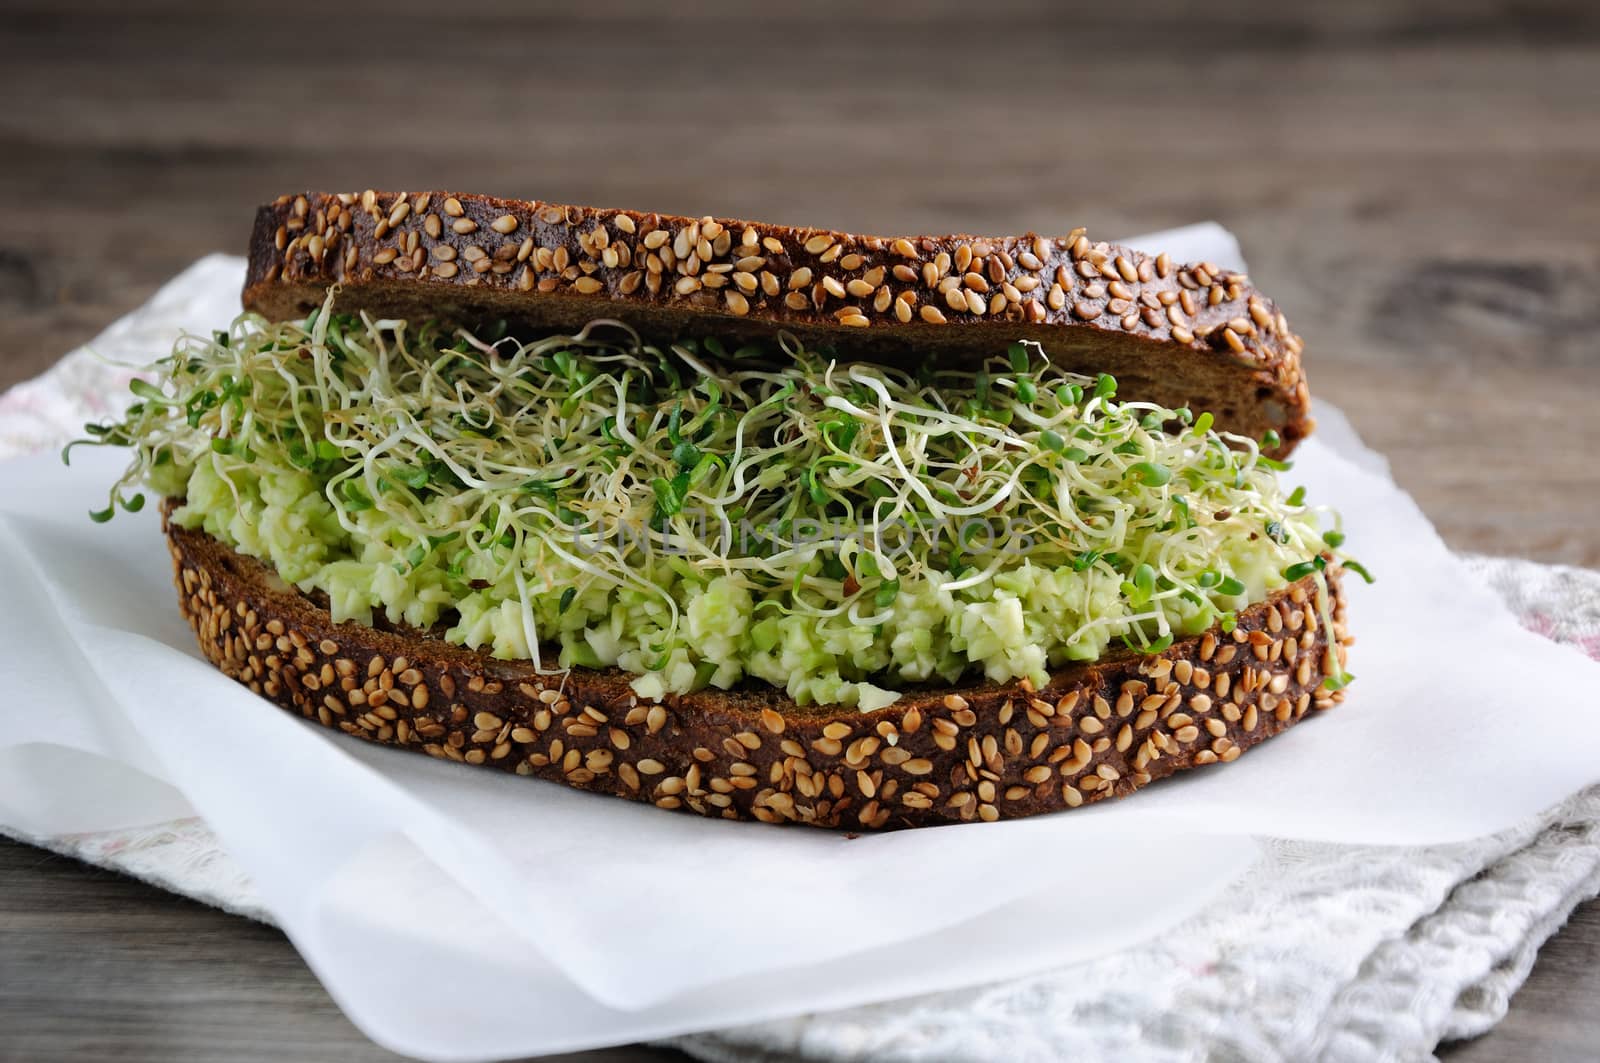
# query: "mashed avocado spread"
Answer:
x=698 y=516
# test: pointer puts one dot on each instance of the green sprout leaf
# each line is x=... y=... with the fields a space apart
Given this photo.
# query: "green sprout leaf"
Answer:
x=1150 y=474
x=686 y=455
x=1359 y=569
x=1300 y=570
x=1018 y=353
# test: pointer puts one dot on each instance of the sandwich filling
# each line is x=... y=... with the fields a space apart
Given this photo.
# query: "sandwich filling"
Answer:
x=700 y=516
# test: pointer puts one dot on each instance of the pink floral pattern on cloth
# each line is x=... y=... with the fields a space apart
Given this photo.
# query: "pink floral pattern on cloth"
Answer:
x=1546 y=625
x=1324 y=952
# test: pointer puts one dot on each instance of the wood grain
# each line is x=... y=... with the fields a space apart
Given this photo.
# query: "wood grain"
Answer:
x=1413 y=181
x=98 y=967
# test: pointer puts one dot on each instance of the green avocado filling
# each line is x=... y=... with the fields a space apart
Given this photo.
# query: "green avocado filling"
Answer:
x=698 y=516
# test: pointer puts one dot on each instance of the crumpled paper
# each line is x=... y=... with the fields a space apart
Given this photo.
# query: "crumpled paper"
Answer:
x=560 y=920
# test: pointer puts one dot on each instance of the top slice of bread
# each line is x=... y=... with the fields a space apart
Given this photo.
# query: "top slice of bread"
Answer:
x=1178 y=334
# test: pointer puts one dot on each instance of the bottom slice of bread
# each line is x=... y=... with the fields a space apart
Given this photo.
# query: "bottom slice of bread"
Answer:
x=978 y=751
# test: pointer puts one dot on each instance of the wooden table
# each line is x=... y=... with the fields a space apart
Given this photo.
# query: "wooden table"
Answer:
x=1414 y=182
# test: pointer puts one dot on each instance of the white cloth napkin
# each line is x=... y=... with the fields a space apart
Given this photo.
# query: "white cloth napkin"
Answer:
x=624 y=923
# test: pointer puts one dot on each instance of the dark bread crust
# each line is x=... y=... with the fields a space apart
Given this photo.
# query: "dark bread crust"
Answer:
x=1175 y=334
x=976 y=751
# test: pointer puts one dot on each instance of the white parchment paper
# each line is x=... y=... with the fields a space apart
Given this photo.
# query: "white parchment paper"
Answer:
x=458 y=914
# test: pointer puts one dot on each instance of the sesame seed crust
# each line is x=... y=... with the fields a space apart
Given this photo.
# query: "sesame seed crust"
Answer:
x=975 y=751
x=1178 y=334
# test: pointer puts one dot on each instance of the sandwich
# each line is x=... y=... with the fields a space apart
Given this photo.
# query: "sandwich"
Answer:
x=756 y=522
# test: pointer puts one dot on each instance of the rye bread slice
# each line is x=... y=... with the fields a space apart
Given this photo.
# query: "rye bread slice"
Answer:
x=974 y=751
x=1181 y=335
